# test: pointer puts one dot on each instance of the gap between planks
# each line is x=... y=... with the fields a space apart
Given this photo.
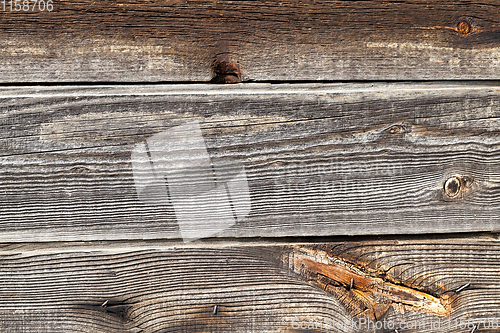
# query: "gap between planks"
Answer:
x=130 y=245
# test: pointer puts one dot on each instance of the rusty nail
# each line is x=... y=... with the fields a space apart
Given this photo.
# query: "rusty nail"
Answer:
x=462 y=287
x=452 y=186
x=105 y=303
x=215 y=309
x=226 y=71
x=464 y=28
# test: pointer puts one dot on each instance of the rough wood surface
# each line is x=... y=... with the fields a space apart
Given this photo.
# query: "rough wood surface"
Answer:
x=319 y=159
x=156 y=287
x=178 y=40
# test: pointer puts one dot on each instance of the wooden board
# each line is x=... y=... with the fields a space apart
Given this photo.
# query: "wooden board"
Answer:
x=158 y=287
x=320 y=160
x=178 y=40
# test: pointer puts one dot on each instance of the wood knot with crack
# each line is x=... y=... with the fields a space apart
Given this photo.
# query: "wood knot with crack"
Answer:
x=364 y=294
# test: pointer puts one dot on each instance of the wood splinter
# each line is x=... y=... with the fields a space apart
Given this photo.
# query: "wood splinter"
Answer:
x=462 y=288
x=362 y=295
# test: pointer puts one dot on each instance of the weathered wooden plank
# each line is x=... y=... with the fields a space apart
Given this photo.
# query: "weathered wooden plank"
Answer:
x=157 y=287
x=318 y=159
x=138 y=41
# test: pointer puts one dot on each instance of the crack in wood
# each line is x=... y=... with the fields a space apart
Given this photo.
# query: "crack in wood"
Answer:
x=114 y=308
x=363 y=294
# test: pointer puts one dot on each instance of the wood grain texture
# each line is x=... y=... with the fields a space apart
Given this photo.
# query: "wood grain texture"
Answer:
x=157 y=287
x=178 y=40
x=319 y=159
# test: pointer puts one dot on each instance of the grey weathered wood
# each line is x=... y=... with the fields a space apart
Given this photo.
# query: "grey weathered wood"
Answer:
x=138 y=41
x=336 y=159
x=157 y=287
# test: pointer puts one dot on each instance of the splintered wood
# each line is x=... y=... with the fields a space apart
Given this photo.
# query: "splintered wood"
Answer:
x=362 y=292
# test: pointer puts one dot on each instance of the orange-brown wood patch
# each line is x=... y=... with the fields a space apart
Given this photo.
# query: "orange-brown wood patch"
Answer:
x=361 y=292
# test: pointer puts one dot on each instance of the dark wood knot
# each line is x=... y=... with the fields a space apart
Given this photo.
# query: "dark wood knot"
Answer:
x=397 y=129
x=452 y=187
x=456 y=184
x=464 y=28
x=226 y=71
